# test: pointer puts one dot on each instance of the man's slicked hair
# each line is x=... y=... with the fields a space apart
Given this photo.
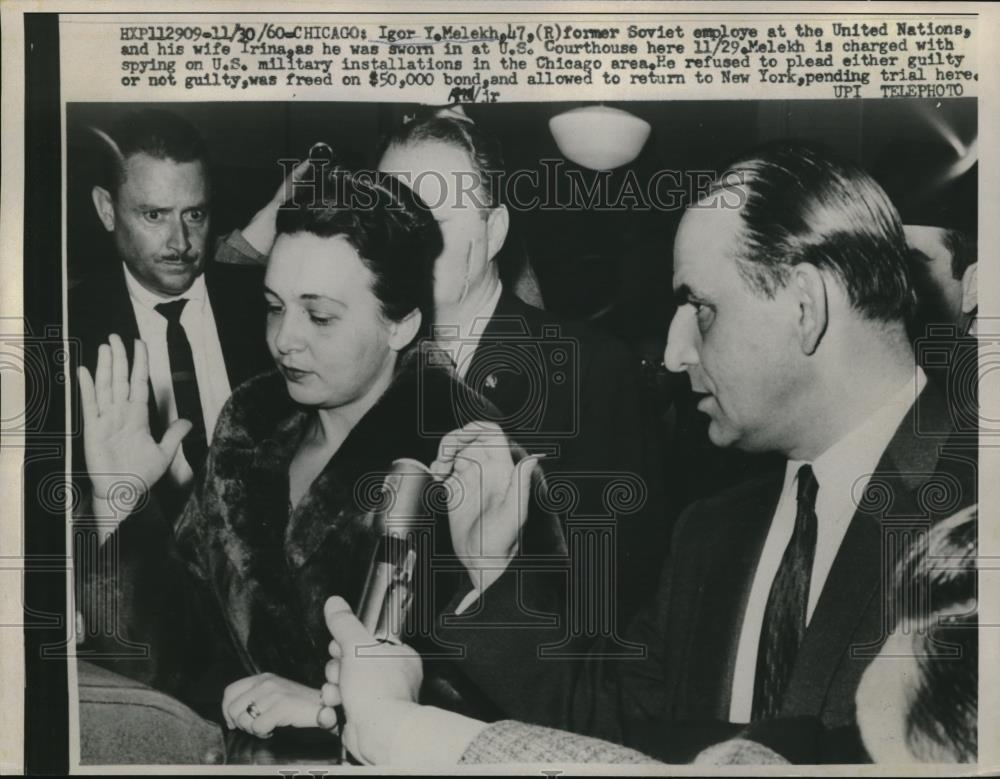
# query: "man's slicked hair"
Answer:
x=801 y=203
x=160 y=134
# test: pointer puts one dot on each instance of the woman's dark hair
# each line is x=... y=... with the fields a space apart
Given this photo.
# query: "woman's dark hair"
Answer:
x=388 y=225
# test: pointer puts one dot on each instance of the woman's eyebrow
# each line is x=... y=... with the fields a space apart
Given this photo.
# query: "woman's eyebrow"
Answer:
x=314 y=296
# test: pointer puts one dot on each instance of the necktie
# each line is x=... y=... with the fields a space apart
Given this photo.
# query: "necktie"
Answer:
x=785 y=615
x=185 y=382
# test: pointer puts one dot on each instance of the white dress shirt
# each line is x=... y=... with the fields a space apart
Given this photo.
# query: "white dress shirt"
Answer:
x=209 y=365
x=461 y=339
x=842 y=473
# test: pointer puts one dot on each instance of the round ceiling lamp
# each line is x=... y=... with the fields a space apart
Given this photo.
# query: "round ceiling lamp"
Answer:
x=598 y=136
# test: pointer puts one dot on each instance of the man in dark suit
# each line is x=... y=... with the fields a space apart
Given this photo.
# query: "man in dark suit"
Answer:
x=561 y=388
x=793 y=293
x=203 y=325
x=154 y=201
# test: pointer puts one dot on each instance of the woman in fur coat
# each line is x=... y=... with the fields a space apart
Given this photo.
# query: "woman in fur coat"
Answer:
x=280 y=519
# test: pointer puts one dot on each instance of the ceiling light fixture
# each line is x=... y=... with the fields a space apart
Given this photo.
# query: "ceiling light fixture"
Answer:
x=598 y=136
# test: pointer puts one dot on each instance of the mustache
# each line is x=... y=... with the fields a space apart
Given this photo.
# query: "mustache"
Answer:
x=189 y=257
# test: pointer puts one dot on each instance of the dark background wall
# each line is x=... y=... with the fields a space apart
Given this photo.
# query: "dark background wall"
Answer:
x=610 y=265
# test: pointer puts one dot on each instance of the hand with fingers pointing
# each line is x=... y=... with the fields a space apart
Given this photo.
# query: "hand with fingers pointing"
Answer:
x=377 y=684
x=118 y=446
x=489 y=497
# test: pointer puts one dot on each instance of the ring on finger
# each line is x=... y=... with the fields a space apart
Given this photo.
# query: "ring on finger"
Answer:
x=252 y=710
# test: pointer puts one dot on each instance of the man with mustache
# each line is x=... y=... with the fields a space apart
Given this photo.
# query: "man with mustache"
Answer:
x=203 y=324
x=154 y=201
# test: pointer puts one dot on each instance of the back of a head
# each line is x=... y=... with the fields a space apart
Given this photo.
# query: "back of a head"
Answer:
x=937 y=591
x=160 y=134
x=801 y=203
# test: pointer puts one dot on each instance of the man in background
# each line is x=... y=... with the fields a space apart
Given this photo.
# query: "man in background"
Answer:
x=561 y=388
x=946 y=275
x=202 y=322
x=203 y=325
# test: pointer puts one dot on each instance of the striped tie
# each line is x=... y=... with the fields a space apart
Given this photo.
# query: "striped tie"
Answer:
x=185 y=382
x=785 y=615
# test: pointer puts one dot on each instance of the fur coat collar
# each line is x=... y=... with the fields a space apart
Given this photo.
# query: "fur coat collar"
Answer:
x=270 y=570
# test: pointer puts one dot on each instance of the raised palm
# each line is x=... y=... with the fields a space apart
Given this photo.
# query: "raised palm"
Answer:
x=123 y=459
x=489 y=497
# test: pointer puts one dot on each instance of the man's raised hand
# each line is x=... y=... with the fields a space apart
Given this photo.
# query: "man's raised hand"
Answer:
x=123 y=459
x=489 y=497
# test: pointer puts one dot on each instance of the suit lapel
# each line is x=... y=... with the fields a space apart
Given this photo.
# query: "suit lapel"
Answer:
x=494 y=371
x=724 y=574
x=107 y=309
x=122 y=313
x=121 y=320
x=846 y=628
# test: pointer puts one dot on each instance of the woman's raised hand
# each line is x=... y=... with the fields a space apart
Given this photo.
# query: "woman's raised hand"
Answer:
x=123 y=459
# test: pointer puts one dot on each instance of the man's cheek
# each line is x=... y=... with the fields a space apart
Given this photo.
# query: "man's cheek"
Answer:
x=198 y=241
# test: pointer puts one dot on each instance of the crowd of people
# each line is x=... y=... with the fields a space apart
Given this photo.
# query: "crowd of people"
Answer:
x=237 y=396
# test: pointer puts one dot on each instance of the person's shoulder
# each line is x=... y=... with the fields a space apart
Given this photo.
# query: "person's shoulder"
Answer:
x=445 y=401
x=740 y=491
x=535 y=320
x=592 y=343
x=710 y=513
x=231 y=277
x=91 y=294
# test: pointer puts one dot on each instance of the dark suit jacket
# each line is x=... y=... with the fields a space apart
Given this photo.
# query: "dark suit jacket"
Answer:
x=142 y=552
x=101 y=306
x=566 y=389
x=675 y=700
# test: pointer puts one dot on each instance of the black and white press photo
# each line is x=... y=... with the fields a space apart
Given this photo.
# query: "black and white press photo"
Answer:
x=532 y=391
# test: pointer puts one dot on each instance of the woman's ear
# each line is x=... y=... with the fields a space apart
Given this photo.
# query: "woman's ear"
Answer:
x=402 y=333
x=497 y=225
x=809 y=287
x=104 y=206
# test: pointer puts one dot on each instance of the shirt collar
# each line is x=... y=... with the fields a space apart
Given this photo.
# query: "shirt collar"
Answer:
x=150 y=300
x=857 y=454
x=477 y=324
